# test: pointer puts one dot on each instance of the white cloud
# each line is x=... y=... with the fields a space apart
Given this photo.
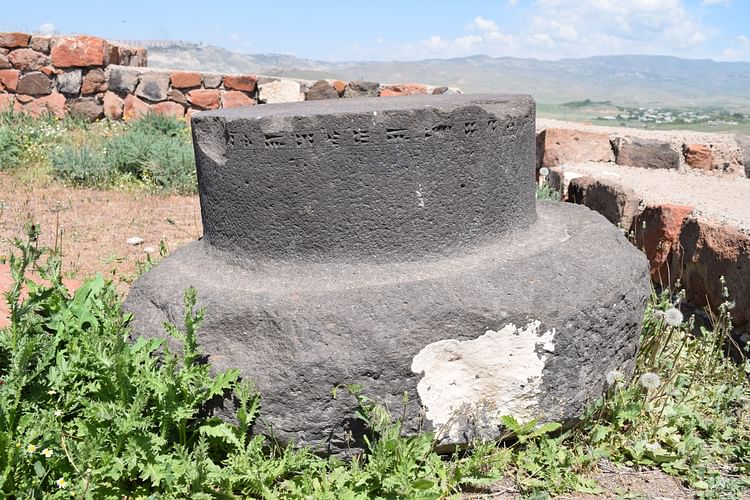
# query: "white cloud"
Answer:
x=466 y=43
x=580 y=28
x=716 y=2
x=482 y=24
x=740 y=51
x=588 y=27
x=47 y=28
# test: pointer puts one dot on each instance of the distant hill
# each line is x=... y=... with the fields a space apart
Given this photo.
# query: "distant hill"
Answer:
x=625 y=80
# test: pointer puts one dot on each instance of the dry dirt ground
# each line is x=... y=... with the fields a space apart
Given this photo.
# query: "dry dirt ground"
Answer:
x=94 y=226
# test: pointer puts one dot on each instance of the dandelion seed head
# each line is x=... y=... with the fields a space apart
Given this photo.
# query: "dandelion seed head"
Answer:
x=673 y=317
x=614 y=377
x=649 y=381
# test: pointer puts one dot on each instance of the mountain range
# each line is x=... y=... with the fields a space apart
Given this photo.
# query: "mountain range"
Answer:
x=630 y=80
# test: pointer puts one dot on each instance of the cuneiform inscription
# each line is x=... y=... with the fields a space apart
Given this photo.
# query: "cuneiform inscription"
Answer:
x=273 y=141
x=304 y=139
x=361 y=136
x=239 y=140
x=396 y=135
x=332 y=137
x=438 y=130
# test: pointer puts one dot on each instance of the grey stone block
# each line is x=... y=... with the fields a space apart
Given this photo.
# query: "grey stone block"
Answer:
x=361 y=89
x=645 y=153
x=617 y=203
x=212 y=81
x=122 y=79
x=86 y=107
x=34 y=83
x=69 y=82
x=153 y=86
x=321 y=90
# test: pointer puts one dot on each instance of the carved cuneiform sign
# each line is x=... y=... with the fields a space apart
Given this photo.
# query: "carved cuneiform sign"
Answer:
x=358 y=177
x=362 y=137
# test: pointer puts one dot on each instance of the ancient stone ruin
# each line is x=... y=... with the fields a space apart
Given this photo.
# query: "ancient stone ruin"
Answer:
x=396 y=243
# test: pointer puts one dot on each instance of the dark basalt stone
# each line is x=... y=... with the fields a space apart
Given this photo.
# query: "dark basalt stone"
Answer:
x=396 y=243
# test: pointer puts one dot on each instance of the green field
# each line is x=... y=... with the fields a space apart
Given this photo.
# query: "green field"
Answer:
x=713 y=119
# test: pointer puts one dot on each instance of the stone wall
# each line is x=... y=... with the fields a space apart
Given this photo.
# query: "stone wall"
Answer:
x=96 y=78
x=560 y=143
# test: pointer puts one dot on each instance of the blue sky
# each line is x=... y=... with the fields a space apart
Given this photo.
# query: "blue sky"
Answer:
x=545 y=29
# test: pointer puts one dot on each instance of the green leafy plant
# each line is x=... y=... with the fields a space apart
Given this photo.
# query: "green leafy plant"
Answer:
x=88 y=411
x=10 y=151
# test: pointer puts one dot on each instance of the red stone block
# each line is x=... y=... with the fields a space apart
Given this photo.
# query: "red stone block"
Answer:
x=9 y=79
x=657 y=231
x=698 y=156
x=134 y=108
x=27 y=59
x=79 y=51
x=205 y=98
x=8 y=101
x=707 y=251
x=94 y=82
x=235 y=99
x=340 y=87
x=555 y=146
x=168 y=108
x=53 y=104
x=403 y=89
x=113 y=106
x=185 y=79
x=245 y=83
x=12 y=40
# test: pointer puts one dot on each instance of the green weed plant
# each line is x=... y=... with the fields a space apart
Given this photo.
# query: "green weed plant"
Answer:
x=154 y=152
x=88 y=412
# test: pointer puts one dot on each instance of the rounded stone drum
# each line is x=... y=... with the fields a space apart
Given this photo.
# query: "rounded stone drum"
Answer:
x=395 y=243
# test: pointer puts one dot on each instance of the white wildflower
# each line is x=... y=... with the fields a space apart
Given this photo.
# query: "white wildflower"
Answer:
x=149 y=250
x=653 y=447
x=58 y=413
x=47 y=453
x=614 y=377
x=673 y=317
x=61 y=483
x=649 y=381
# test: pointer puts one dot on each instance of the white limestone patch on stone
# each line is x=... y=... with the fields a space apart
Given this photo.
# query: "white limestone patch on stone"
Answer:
x=496 y=374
